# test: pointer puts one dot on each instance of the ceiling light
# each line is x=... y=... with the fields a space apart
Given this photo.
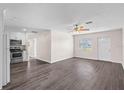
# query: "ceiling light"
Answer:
x=24 y=29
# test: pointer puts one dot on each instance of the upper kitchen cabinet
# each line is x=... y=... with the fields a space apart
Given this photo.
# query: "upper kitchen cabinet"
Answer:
x=18 y=36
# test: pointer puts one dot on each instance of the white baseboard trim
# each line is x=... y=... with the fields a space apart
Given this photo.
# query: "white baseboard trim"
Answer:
x=120 y=62
x=60 y=59
x=44 y=60
x=122 y=66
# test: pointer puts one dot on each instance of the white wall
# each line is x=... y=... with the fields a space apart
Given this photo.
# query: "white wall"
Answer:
x=62 y=45
x=43 y=45
x=116 y=45
x=53 y=46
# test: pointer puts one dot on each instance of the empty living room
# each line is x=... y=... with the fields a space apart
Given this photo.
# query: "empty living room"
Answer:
x=61 y=46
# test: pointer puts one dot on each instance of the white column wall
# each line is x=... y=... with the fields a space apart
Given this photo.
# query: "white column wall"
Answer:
x=4 y=53
x=1 y=60
x=1 y=53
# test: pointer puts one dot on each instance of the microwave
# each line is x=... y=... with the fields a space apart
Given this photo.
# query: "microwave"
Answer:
x=15 y=42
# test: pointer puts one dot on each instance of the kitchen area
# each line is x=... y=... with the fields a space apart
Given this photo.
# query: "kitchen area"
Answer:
x=28 y=43
x=17 y=51
x=18 y=47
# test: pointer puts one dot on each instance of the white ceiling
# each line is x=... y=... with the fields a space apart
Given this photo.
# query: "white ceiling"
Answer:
x=64 y=15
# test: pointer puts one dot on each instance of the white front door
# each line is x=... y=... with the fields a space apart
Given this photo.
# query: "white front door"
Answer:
x=104 y=46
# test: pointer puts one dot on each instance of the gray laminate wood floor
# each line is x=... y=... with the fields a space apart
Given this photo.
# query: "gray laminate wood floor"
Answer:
x=70 y=74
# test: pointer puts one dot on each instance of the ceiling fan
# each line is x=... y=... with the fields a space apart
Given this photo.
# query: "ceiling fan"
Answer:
x=79 y=27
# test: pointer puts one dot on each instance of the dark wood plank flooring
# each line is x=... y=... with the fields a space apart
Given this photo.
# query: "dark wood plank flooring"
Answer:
x=70 y=74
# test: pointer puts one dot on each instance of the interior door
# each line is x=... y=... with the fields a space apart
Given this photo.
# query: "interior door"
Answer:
x=104 y=46
x=32 y=47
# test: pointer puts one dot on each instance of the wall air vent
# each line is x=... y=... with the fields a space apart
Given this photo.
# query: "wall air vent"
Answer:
x=89 y=22
x=34 y=31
